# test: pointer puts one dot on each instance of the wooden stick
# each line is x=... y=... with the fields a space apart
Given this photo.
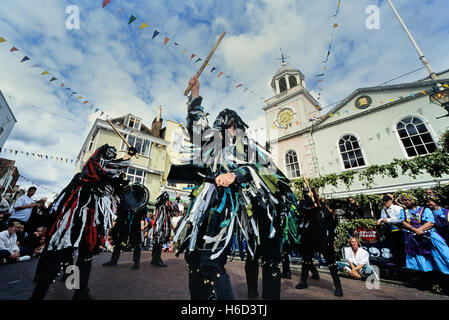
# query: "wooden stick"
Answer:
x=206 y=61
x=310 y=190
x=120 y=135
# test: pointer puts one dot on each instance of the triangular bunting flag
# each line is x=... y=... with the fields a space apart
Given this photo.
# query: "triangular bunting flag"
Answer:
x=85 y=102
x=213 y=69
x=155 y=34
x=335 y=25
x=96 y=110
x=176 y=44
x=199 y=59
x=13 y=49
x=320 y=75
x=44 y=73
x=53 y=79
x=184 y=51
x=62 y=85
x=239 y=86
x=79 y=97
x=166 y=40
x=106 y=2
x=25 y=59
x=219 y=74
x=192 y=56
x=132 y=19
x=2 y=40
x=143 y=26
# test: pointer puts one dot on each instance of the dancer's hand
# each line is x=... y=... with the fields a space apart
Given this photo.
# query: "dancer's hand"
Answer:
x=225 y=180
x=195 y=90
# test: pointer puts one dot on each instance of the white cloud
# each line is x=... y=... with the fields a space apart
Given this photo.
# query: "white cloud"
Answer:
x=121 y=69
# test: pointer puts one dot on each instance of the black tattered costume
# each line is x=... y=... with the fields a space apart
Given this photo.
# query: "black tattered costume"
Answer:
x=258 y=208
x=317 y=230
x=81 y=214
x=165 y=211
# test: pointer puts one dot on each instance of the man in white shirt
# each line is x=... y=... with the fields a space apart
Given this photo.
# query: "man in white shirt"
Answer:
x=357 y=260
x=390 y=220
x=23 y=206
x=9 y=251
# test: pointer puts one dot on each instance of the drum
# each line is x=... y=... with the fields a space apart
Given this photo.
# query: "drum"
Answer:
x=136 y=196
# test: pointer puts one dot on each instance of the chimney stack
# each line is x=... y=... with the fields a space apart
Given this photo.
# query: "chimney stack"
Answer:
x=159 y=113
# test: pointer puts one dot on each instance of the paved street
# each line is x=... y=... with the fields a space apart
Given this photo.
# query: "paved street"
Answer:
x=152 y=283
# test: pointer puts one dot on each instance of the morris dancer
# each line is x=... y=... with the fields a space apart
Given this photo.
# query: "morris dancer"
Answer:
x=82 y=213
x=317 y=231
x=239 y=192
x=165 y=210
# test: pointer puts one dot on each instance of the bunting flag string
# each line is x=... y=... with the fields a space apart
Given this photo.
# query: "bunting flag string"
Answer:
x=38 y=155
x=52 y=79
x=144 y=25
x=329 y=49
x=331 y=113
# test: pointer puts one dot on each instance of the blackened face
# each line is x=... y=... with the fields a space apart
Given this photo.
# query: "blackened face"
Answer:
x=110 y=153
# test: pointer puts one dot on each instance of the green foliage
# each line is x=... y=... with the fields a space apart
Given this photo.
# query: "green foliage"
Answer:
x=344 y=230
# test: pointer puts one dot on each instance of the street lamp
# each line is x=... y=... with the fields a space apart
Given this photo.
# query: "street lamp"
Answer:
x=440 y=97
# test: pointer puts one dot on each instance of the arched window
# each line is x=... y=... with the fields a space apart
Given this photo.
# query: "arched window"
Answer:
x=415 y=136
x=351 y=152
x=292 y=164
x=282 y=85
x=292 y=81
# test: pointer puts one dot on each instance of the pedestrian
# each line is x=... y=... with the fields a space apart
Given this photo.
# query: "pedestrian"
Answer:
x=23 y=206
x=390 y=221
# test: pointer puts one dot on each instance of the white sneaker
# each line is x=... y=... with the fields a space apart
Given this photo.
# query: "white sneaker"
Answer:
x=24 y=258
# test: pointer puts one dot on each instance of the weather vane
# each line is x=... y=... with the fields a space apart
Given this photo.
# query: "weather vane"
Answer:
x=283 y=58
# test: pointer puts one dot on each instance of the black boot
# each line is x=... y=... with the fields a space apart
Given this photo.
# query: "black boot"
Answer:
x=82 y=295
x=271 y=281
x=335 y=277
x=314 y=271
x=136 y=257
x=286 y=267
x=252 y=275
x=115 y=256
x=156 y=256
x=304 y=275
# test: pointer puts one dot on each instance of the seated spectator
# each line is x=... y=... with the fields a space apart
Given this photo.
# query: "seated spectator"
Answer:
x=36 y=242
x=39 y=216
x=357 y=260
x=9 y=251
x=23 y=241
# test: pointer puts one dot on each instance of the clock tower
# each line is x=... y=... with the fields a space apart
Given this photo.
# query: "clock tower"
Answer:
x=288 y=115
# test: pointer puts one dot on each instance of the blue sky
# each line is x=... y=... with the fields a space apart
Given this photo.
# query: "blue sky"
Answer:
x=121 y=69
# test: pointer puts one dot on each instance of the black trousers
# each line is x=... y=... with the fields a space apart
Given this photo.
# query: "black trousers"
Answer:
x=208 y=279
x=121 y=232
x=52 y=262
x=156 y=253
x=396 y=240
x=308 y=266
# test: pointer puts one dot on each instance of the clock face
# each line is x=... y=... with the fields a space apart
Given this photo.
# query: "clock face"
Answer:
x=285 y=118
